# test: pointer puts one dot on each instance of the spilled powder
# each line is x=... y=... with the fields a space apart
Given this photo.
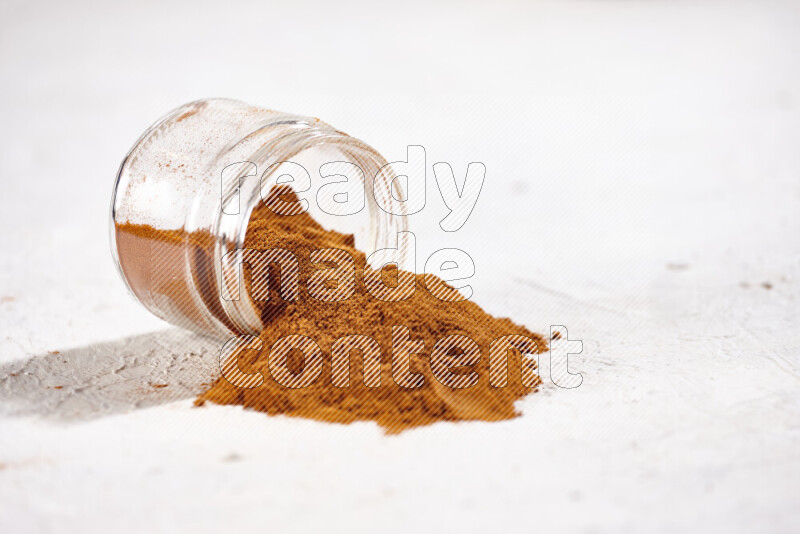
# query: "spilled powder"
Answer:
x=393 y=407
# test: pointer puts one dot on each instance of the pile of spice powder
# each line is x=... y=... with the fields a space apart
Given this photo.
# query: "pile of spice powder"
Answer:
x=393 y=407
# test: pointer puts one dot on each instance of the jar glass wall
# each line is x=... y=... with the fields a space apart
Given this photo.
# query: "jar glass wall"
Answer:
x=184 y=194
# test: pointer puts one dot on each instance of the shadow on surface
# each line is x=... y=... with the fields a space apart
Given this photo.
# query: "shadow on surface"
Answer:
x=110 y=378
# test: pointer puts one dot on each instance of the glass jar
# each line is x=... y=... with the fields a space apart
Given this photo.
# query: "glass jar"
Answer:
x=185 y=192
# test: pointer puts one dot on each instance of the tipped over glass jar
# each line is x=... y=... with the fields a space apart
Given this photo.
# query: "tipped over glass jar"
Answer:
x=185 y=192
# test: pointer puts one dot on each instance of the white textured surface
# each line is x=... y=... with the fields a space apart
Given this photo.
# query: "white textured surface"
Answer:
x=642 y=187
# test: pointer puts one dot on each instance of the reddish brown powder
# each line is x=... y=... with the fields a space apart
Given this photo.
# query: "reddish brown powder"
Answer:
x=156 y=264
x=391 y=406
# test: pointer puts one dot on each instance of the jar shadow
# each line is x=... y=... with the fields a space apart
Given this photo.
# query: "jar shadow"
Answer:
x=111 y=377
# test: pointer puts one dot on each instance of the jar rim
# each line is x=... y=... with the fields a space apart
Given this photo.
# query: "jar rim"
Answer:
x=289 y=146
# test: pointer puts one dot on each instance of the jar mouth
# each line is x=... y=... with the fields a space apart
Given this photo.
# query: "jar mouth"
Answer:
x=304 y=138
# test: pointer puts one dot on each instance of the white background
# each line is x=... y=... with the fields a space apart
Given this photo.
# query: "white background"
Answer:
x=642 y=188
